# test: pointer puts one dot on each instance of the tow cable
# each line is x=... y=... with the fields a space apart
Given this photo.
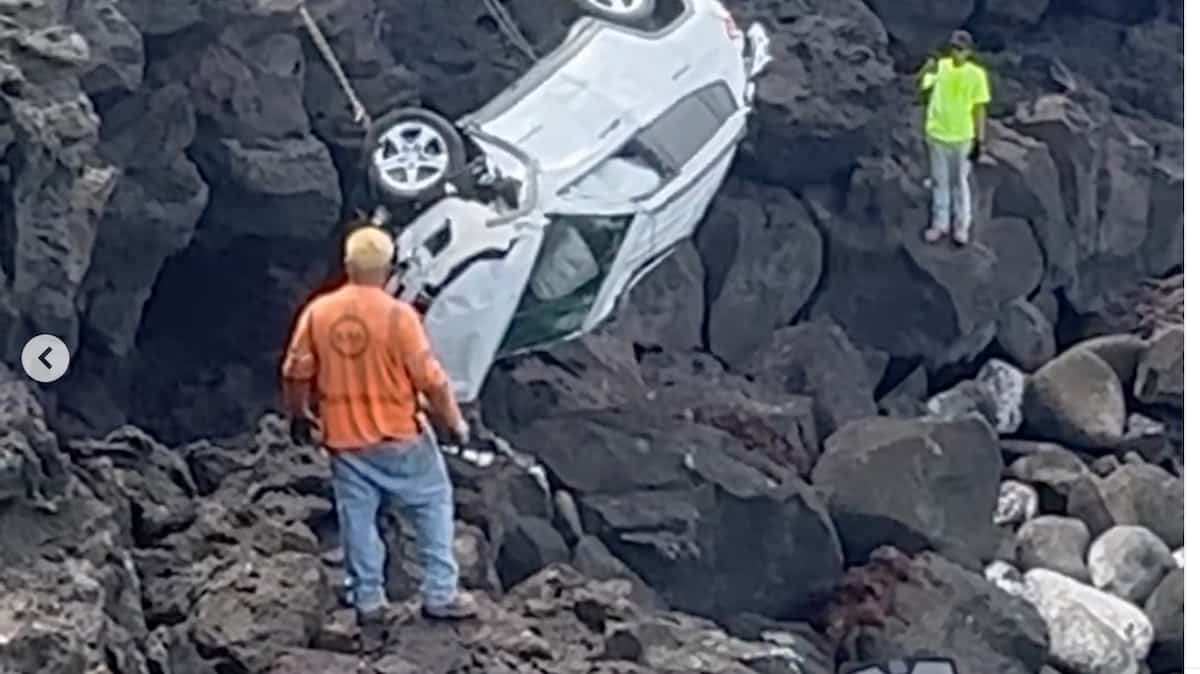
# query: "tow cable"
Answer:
x=318 y=38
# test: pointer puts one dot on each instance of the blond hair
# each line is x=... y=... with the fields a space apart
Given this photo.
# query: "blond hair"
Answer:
x=369 y=248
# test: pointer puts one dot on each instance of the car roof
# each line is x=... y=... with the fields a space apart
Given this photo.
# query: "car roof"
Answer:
x=598 y=86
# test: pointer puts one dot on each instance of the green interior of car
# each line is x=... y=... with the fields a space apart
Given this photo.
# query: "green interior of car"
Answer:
x=576 y=255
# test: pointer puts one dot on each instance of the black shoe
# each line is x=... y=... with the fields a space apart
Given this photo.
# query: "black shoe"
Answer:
x=372 y=630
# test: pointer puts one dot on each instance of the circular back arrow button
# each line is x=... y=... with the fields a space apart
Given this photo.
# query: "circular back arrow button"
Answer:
x=45 y=358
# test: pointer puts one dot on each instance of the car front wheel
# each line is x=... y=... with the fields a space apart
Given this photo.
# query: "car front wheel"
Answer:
x=411 y=153
x=624 y=12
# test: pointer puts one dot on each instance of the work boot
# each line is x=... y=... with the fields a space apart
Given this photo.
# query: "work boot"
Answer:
x=372 y=630
x=461 y=607
x=960 y=236
x=933 y=235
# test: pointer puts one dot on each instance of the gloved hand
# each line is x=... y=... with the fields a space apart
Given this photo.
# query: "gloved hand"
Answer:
x=304 y=430
x=976 y=150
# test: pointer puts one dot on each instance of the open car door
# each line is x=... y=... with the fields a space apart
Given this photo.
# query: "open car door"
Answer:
x=471 y=274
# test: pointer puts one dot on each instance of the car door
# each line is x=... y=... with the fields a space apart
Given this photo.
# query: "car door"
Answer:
x=691 y=146
x=472 y=275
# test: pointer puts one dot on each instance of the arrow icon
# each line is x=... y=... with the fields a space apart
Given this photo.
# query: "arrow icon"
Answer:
x=43 y=360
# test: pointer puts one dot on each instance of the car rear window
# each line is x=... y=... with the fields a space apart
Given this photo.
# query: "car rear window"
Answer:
x=680 y=132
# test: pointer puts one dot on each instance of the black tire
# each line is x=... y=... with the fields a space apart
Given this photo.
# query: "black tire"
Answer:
x=455 y=149
x=636 y=19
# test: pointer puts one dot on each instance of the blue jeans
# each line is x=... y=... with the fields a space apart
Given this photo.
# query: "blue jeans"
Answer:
x=950 y=169
x=413 y=476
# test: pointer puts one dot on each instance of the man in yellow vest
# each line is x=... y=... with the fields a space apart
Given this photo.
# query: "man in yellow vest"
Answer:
x=957 y=93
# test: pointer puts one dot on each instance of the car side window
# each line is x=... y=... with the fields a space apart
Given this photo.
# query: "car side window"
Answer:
x=670 y=141
x=576 y=255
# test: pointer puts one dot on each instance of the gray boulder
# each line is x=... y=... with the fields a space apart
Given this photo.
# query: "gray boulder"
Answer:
x=676 y=502
x=936 y=606
x=818 y=359
x=1160 y=373
x=1165 y=610
x=1055 y=543
x=1076 y=399
x=1121 y=351
x=1091 y=632
x=666 y=308
x=1129 y=561
x=996 y=393
x=1053 y=472
x=913 y=484
x=1136 y=494
x=1025 y=335
x=762 y=259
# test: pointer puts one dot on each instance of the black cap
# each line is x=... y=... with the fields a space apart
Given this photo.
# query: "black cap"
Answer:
x=962 y=40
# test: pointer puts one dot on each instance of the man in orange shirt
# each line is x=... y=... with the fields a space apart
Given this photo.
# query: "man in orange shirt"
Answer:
x=365 y=358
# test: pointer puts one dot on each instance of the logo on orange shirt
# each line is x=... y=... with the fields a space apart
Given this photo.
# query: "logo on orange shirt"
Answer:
x=349 y=336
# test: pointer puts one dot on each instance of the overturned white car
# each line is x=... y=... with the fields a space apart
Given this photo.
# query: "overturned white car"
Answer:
x=588 y=171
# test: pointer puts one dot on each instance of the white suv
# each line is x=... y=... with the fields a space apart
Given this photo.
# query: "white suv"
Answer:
x=588 y=171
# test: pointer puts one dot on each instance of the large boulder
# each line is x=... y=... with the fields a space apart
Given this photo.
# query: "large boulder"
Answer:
x=762 y=258
x=922 y=27
x=1129 y=561
x=1091 y=632
x=1025 y=335
x=1053 y=472
x=818 y=360
x=1160 y=372
x=893 y=291
x=258 y=607
x=996 y=393
x=676 y=501
x=666 y=308
x=913 y=484
x=1165 y=610
x=1135 y=494
x=839 y=51
x=1121 y=351
x=1076 y=399
x=929 y=604
x=1055 y=543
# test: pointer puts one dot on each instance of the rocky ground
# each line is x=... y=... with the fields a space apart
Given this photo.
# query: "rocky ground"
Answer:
x=810 y=438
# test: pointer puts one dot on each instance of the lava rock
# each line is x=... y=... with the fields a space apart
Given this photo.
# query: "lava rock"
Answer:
x=762 y=260
x=1122 y=352
x=666 y=308
x=1076 y=399
x=652 y=488
x=1160 y=373
x=913 y=484
x=1053 y=471
x=996 y=392
x=829 y=119
x=1017 y=504
x=937 y=606
x=532 y=544
x=1129 y=561
x=1165 y=610
x=1055 y=543
x=1144 y=495
x=1026 y=335
x=1090 y=631
x=819 y=360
